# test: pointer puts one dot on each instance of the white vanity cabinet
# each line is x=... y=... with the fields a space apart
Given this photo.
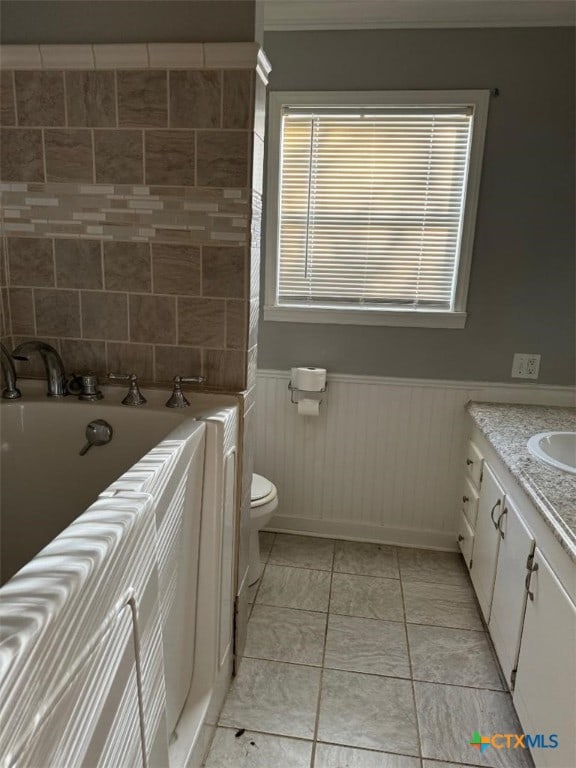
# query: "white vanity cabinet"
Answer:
x=509 y=601
x=545 y=691
x=487 y=539
x=525 y=582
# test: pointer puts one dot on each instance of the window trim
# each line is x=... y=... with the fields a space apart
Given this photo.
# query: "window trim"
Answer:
x=456 y=318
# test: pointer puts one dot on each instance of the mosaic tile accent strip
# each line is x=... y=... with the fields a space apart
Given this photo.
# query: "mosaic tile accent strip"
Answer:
x=126 y=212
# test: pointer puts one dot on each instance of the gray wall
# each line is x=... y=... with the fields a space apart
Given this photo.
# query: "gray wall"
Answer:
x=522 y=287
x=126 y=21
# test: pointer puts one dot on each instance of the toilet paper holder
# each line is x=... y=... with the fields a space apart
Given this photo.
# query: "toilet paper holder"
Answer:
x=305 y=394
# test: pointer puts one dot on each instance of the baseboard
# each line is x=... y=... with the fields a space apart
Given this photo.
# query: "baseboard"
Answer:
x=376 y=534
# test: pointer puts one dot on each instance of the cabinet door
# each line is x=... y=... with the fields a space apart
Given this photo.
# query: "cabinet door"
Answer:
x=509 y=601
x=465 y=539
x=486 y=539
x=545 y=692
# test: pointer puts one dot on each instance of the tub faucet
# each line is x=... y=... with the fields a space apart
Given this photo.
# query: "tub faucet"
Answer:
x=52 y=363
x=11 y=391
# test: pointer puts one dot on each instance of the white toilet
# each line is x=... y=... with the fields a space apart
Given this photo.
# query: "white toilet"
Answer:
x=263 y=502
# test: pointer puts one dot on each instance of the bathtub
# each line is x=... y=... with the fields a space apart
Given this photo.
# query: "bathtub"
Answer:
x=116 y=610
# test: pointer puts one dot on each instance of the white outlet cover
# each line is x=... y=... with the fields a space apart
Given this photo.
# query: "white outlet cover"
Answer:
x=525 y=366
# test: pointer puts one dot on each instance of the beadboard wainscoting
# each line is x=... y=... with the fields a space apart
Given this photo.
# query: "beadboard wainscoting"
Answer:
x=382 y=462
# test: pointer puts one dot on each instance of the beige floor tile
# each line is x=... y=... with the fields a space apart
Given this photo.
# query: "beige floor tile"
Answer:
x=330 y=756
x=257 y=750
x=435 y=567
x=272 y=697
x=366 y=596
x=301 y=588
x=367 y=645
x=266 y=539
x=302 y=552
x=449 y=715
x=454 y=656
x=366 y=559
x=285 y=634
x=368 y=711
x=444 y=605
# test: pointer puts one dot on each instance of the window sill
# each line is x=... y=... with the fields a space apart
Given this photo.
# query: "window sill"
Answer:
x=406 y=318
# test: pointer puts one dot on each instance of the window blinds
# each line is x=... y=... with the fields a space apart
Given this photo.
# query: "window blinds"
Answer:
x=371 y=206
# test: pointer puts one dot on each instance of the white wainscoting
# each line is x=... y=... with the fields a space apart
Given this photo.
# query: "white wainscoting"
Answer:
x=382 y=462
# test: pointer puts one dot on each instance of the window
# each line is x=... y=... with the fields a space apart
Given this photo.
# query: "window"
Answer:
x=372 y=205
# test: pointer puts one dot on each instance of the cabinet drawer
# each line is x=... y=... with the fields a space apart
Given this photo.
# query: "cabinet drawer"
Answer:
x=470 y=502
x=474 y=462
x=465 y=539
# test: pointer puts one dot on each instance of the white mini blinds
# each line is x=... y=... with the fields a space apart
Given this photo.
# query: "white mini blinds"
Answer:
x=371 y=206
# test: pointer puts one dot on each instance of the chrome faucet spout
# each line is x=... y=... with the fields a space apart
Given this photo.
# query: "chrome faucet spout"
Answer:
x=11 y=391
x=52 y=363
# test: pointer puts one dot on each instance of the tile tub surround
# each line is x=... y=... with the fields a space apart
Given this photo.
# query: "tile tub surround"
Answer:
x=142 y=161
x=507 y=429
x=385 y=693
x=145 y=306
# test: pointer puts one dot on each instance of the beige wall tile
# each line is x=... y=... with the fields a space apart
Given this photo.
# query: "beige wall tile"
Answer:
x=225 y=368
x=57 y=312
x=237 y=98
x=21 y=305
x=222 y=158
x=69 y=154
x=170 y=158
x=131 y=358
x=7 y=113
x=236 y=317
x=30 y=261
x=81 y=356
x=176 y=269
x=127 y=267
x=195 y=98
x=201 y=322
x=177 y=361
x=253 y=319
x=104 y=315
x=118 y=157
x=40 y=98
x=251 y=367
x=142 y=98
x=224 y=271
x=90 y=99
x=78 y=264
x=21 y=155
x=153 y=319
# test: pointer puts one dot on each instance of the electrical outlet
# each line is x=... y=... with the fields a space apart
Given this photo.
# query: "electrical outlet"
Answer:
x=525 y=366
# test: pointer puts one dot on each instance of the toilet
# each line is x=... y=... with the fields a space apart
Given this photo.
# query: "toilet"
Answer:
x=263 y=502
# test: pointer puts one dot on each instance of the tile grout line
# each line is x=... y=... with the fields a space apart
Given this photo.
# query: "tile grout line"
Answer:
x=321 y=681
x=416 y=721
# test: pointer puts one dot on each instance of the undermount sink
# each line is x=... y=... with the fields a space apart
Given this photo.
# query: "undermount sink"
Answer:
x=558 y=449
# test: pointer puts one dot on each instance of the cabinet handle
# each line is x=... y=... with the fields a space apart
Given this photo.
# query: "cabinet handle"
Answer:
x=531 y=569
x=498 y=526
x=465 y=499
x=460 y=537
x=495 y=522
x=469 y=462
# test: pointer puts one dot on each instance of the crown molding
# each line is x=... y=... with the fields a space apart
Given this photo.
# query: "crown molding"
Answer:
x=292 y=15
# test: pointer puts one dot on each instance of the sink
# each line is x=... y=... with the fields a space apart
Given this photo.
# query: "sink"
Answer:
x=558 y=449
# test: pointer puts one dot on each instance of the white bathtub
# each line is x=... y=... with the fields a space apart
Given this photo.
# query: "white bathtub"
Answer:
x=143 y=579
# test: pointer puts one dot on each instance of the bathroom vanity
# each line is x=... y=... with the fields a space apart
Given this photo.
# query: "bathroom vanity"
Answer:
x=517 y=533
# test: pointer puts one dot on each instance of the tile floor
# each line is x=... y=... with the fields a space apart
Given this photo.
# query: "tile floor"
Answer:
x=363 y=656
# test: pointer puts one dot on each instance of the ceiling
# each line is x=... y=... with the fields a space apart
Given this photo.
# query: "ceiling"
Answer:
x=393 y=14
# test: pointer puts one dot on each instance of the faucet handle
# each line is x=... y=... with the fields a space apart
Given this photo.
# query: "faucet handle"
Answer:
x=134 y=396
x=178 y=399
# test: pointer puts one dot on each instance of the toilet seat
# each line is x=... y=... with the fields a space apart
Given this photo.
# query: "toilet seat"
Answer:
x=262 y=491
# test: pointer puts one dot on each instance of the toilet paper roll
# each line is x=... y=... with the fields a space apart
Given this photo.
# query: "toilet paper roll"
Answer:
x=310 y=379
x=308 y=407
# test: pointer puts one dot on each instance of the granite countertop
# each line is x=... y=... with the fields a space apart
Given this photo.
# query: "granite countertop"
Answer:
x=507 y=428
